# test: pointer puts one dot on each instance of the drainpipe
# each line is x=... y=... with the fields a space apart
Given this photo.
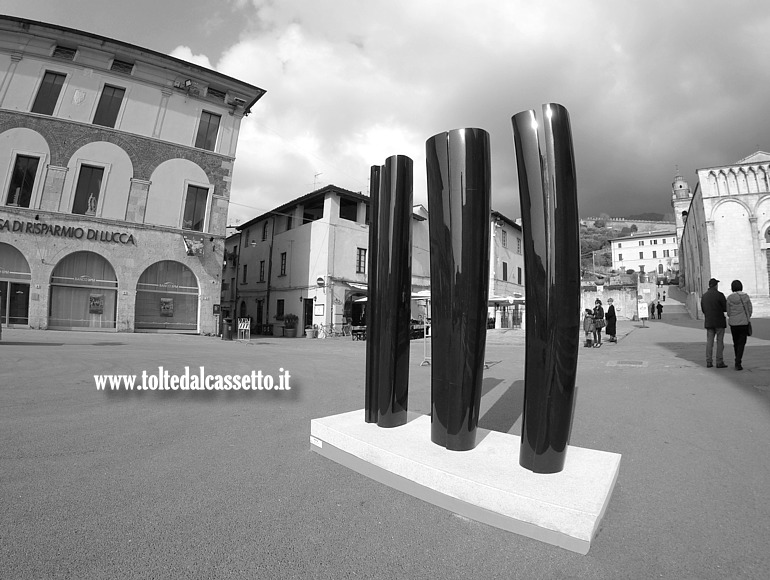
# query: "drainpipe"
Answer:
x=269 y=272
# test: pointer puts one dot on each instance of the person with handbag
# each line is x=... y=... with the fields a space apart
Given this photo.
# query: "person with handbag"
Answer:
x=598 y=323
x=739 y=312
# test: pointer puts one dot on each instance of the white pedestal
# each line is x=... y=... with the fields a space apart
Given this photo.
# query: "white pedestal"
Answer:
x=485 y=484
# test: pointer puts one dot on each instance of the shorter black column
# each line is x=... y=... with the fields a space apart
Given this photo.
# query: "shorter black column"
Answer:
x=390 y=291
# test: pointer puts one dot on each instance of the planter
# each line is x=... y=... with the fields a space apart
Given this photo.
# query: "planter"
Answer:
x=290 y=332
x=310 y=333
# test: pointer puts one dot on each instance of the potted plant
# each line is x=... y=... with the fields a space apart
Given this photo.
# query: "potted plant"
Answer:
x=290 y=325
x=310 y=332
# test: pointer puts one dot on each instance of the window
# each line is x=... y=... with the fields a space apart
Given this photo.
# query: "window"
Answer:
x=207 y=131
x=641 y=255
x=87 y=190
x=660 y=268
x=673 y=240
x=504 y=238
x=261 y=270
x=518 y=275
x=48 y=93
x=361 y=261
x=518 y=245
x=245 y=269
x=246 y=238
x=654 y=254
x=666 y=253
x=232 y=288
x=348 y=209
x=195 y=208
x=288 y=221
x=64 y=53
x=641 y=242
x=505 y=271
x=655 y=242
x=675 y=253
x=283 y=264
x=620 y=245
x=279 y=305
x=264 y=231
x=22 y=181
x=620 y=257
x=122 y=66
x=109 y=106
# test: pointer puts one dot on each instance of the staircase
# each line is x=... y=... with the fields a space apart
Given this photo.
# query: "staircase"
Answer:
x=677 y=302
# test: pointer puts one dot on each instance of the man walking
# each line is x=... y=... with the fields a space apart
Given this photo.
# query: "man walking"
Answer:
x=714 y=305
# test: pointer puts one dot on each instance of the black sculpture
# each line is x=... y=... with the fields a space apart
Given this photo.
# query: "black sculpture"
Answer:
x=548 y=193
x=458 y=171
x=388 y=314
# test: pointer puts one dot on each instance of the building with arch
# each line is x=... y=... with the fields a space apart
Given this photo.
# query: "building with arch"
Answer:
x=724 y=230
x=115 y=171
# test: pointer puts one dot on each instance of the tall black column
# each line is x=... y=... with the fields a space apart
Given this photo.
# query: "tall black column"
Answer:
x=548 y=194
x=458 y=171
x=390 y=292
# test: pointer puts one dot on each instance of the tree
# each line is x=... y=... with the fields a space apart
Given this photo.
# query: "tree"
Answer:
x=600 y=224
x=634 y=228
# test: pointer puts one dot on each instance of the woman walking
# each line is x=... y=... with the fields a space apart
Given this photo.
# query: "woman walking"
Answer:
x=598 y=323
x=739 y=312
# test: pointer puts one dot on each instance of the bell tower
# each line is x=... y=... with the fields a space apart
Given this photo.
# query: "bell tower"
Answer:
x=680 y=201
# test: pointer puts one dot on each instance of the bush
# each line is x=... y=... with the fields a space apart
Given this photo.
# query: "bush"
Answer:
x=290 y=321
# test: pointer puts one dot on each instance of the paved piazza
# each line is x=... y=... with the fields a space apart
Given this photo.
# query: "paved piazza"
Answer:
x=223 y=484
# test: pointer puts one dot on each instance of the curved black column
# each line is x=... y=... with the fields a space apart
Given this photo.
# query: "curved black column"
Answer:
x=370 y=398
x=458 y=166
x=548 y=193
x=390 y=293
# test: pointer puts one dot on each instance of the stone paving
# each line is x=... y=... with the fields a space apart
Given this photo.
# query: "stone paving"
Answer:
x=180 y=484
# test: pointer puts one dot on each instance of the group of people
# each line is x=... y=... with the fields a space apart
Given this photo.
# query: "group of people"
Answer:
x=656 y=307
x=595 y=320
x=738 y=308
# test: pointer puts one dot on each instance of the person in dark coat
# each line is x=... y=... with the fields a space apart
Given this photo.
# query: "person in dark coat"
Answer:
x=598 y=323
x=612 y=319
x=659 y=307
x=714 y=305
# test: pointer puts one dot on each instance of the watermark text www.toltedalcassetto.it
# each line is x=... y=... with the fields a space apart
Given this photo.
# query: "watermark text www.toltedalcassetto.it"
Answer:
x=195 y=381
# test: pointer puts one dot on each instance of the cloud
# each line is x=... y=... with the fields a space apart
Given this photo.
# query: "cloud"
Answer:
x=648 y=87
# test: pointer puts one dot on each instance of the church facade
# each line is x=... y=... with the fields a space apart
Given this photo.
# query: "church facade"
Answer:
x=724 y=229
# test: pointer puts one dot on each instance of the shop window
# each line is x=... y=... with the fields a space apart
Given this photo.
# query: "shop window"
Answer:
x=195 y=208
x=109 y=106
x=207 y=131
x=48 y=93
x=361 y=261
x=83 y=292
x=22 y=181
x=87 y=190
x=167 y=298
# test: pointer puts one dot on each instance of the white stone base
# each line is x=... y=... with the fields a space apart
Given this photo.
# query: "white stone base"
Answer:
x=485 y=484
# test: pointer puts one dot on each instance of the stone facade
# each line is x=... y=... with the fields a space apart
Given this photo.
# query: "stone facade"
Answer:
x=112 y=221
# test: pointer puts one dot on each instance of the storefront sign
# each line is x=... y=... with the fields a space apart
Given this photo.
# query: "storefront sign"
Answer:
x=37 y=228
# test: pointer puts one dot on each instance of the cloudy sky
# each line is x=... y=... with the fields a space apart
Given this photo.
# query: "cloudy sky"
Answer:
x=649 y=85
